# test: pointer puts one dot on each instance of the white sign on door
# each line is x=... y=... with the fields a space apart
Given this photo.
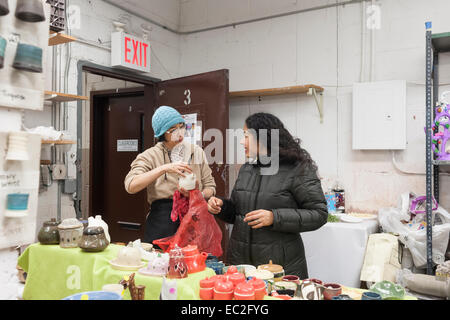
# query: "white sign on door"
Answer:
x=130 y=145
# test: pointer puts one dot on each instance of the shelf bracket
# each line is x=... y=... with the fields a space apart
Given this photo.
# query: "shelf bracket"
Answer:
x=319 y=101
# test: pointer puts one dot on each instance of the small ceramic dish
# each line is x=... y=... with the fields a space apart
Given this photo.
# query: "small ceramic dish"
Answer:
x=117 y=266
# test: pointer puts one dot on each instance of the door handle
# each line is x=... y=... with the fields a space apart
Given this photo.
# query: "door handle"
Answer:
x=129 y=225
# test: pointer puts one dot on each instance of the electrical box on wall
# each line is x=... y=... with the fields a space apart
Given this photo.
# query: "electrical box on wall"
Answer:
x=379 y=115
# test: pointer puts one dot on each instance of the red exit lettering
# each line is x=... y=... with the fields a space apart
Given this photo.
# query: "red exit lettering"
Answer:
x=138 y=50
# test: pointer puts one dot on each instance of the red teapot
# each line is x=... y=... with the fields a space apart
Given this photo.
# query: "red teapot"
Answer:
x=195 y=261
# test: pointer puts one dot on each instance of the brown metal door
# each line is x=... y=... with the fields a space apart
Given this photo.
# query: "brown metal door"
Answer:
x=205 y=95
x=120 y=135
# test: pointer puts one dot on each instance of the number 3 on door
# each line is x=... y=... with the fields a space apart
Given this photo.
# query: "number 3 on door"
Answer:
x=187 y=93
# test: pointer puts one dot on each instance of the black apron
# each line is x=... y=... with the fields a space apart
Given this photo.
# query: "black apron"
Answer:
x=158 y=224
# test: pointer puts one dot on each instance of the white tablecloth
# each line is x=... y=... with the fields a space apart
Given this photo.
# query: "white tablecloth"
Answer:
x=335 y=252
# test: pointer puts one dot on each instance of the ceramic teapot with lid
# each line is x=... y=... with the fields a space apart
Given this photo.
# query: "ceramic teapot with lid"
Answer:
x=195 y=261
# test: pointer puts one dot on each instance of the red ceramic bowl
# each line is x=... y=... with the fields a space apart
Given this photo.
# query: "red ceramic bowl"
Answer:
x=331 y=290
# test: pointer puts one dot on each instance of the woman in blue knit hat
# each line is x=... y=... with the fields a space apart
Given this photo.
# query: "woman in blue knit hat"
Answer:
x=159 y=168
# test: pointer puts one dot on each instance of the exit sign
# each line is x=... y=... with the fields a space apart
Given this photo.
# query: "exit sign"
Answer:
x=130 y=52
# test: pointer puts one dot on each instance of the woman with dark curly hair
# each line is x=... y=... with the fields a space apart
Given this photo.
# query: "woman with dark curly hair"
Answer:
x=269 y=211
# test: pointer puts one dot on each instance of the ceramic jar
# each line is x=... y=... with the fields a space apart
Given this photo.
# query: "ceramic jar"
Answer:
x=260 y=288
x=244 y=291
x=207 y=288
x=276 y=269
x=93 y=239
x=236 y=278
x=49 y=233
x=331 y=290
x=223 y=290
x=98 y=222
x=70 y=233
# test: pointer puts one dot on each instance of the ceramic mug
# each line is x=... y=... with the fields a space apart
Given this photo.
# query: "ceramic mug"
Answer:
x=368 y=295
x=30 y=10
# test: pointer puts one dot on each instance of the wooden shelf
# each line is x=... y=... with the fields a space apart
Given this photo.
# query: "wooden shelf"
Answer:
x=275 y=91
x=58 y=142
x=62 y=97
x=59 y=38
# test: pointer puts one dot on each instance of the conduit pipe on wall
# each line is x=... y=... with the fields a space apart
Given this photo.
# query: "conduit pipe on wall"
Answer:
x=331 y=5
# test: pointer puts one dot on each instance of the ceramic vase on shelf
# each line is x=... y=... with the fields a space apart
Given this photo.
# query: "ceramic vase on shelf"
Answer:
x=28 y=58
x=30 y=10
x=3 y=43
x=4 y=7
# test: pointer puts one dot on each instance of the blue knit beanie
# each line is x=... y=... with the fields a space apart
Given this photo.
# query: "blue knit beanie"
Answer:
x=164 y=118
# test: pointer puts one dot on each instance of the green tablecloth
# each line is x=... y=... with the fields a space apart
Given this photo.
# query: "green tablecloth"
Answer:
x=54 y=273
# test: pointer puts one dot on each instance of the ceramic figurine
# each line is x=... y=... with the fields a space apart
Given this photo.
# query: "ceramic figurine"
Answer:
x=30 y=10
x=177 y=265
x=158 y=265
x=4 y=7
x=93 y=240
x=28 y=58
x=3 y=44
x=98 y=222
x=168 y=290
x=70 y=233
x=49 y=233
x=442 y=135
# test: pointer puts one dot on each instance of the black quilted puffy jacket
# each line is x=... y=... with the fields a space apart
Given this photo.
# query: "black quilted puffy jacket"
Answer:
x=295 y=197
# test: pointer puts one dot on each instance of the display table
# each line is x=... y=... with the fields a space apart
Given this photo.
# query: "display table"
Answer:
x=335 y=252
x=54 y=273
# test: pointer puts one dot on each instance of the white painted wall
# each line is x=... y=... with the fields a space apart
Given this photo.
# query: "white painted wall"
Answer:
x=96 y=26
x=324 y=48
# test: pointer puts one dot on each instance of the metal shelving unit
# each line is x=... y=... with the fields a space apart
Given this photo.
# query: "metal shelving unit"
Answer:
x=435 y=44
